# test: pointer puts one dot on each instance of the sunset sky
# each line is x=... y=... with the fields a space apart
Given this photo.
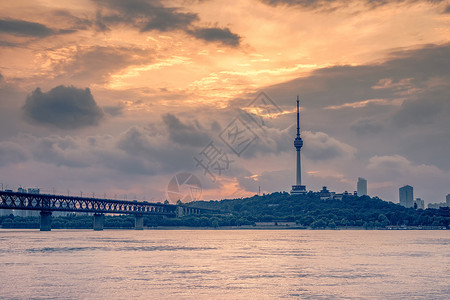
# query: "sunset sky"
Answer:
x=111 y=97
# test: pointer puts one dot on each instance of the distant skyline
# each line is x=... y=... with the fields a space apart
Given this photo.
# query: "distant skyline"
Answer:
x=118 y=97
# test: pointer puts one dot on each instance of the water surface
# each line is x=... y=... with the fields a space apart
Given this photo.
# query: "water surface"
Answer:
x=224 y=264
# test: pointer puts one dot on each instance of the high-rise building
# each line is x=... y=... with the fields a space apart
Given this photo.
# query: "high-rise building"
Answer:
x=361 y=187
x=406 y=196
x=448 y=200
x=298 y=188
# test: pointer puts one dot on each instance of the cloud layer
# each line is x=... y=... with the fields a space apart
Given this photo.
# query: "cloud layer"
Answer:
x=63 y=107
x=153 y=15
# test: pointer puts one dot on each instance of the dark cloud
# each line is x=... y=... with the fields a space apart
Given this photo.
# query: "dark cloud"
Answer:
x=308 y=4
x=137 y=142
x=183 y=134
x=61 y=151
x=318 y=146
x=152 y=15
x=424 y=110
x=270 y=140
x=135 y=151
x=367 y=126
x=9 y=44
x=76 y=23
x=63 y=107
x=223 y=35
x=146 y=151
x=144 y=15
x=165 y=19
x=330 y=5
x=32 y=29
x=24 y=28
x=447 y=10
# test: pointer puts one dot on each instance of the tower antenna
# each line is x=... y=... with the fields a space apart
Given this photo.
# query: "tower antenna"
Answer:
x=298 y=116
x=298 y=188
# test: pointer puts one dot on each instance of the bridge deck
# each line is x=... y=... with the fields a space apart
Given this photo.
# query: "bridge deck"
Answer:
x=44 y=202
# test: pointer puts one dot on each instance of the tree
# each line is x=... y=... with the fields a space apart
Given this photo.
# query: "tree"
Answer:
x=321 y=223
x=332 y=225
x=384 y=221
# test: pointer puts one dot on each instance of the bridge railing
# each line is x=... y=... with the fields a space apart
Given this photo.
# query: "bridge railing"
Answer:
x=46 y=202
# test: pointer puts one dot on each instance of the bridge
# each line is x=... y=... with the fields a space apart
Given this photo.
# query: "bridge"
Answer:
x=48 y=203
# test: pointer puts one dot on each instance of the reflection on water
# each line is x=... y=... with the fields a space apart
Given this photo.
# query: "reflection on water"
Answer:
x=235 y=264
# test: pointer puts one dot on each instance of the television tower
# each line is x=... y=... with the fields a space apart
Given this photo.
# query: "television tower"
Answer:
x=298 y=188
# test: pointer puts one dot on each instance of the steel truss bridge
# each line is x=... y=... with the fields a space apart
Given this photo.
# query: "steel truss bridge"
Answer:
x=48 y=203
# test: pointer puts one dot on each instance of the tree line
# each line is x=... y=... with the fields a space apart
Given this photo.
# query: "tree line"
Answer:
x=307 y=211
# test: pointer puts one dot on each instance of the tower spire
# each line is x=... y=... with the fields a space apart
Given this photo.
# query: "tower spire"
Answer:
x=298 y=188
x=298 y=116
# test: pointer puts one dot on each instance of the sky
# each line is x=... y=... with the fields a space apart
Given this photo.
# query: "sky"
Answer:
x=148 y=100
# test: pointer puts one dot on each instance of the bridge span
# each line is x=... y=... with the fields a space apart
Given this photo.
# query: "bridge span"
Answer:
x=47 y=203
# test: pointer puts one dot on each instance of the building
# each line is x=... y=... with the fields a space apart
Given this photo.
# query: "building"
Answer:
x=325 y=194
x=406 y=196
x=298 y=188
x=361 y=187
x=448 y=200
x=437 y=205
x=338 y=196
x=419 y=204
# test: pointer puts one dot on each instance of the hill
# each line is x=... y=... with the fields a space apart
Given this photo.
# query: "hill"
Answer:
x=310 y=210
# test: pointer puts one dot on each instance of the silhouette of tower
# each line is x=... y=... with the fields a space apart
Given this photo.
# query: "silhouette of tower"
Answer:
x=298 y=188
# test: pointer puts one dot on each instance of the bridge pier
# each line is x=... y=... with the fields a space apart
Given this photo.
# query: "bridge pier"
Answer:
x=180 y=212
x=138 y=222
x=99 y=220
x=46 y=221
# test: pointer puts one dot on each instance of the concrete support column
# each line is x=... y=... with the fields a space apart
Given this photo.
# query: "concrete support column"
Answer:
x=179 y=212
x=46 y=220
x=299 y=168
x=138 y=222
x=99 y=220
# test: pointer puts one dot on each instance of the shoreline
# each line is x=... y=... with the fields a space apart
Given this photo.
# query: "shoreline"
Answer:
x=250 y=228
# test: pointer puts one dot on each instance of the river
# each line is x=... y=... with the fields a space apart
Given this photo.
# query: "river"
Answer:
x=224 y=264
